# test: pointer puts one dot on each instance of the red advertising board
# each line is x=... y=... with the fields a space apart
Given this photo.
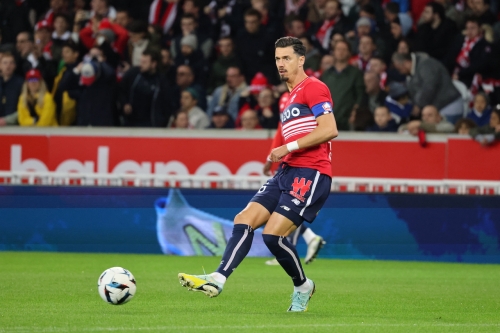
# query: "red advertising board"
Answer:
x=353 y=156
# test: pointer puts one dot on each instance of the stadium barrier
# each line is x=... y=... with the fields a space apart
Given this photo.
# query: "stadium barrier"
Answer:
x=339 y=184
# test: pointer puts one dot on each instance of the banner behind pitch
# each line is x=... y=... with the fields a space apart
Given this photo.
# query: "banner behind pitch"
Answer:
x=198 y=222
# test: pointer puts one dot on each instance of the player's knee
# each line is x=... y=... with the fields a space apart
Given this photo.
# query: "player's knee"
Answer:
x=271 y=242
x=241 y=218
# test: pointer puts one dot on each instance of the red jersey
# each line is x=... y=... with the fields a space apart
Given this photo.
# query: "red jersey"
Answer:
x=308 y=100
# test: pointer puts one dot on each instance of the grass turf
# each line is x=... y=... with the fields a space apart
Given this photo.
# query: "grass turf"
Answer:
x=56 y=292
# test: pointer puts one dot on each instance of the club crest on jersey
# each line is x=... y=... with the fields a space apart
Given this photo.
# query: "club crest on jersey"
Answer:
x=300 y=188
x=327 y=107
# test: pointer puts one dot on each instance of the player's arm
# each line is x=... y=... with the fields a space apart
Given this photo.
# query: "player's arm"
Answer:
x=325 y=131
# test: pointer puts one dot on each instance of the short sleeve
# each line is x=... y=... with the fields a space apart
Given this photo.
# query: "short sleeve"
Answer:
x=318 y=98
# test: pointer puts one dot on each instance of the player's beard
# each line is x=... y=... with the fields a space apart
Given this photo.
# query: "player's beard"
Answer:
x=284 y=78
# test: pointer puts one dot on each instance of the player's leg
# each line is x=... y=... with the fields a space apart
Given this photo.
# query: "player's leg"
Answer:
x=251 y=218
x=238 y=246
x=292 y=238
x=314 y=244
x=274 y=235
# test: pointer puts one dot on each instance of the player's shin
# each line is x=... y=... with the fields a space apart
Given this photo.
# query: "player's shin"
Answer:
x=236 y=250
x=287 y=256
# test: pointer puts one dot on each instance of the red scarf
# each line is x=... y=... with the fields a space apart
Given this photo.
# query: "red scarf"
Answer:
x=161 y=16
x=358 y=61
x=463 y=60
x=383 y=80
x=323 y=31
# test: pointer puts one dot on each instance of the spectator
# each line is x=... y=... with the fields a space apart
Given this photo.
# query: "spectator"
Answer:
x=197 y=118
x=429 y=84
x=432 y=122
x=255 y=48
x=181 y=121
x=228 y=95
x=398 y=103
x=313 y=56
x=192 y=56
x=378 y=66
x=203 y=22
x=60 y=36
x=43 y=32
x=249 y=96
x=56 y=7
x=250 y=120
x=335 y=38
x=226 y=58
x=316 y=10
x=394 y=37
x=221 y=119
x=146 y=96
x=481 y=112
x=403 y=47
x=36 y=106
x=366 y=52
x=392 y=11
x=167 y=67
x=333 y=22
x=488 y=133
x=10 y=89
x=296 y=8
x=24 y=47
x=123 y=18
x=464 y=125
x=383 y=121
x=363 y=28
x=374 y=97
x=185 y=79
x=346 y=86
x=468 y=54
x=267 y=109
x=137 y=43
x=14 y=19
x=481 y=10
x=92 y=85
x=327 y=62
x=103 y=30
x=164 y=14
x=189 y=26
x=295 y=27
x=65 y=105
x=356 y=11
x=103 y=9
x=436 y=32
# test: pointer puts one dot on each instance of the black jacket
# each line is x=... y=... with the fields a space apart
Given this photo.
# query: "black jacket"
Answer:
x=478 y=59
x=436 y=42
x=151 y=97
x=96 y=104
x=9 y=94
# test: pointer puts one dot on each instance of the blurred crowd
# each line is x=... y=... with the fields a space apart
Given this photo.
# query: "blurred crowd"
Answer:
x=406 y=66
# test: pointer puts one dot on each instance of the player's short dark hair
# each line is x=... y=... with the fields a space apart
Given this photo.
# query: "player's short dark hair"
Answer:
x=437 y=8
x=294 y=42
x=392 y=7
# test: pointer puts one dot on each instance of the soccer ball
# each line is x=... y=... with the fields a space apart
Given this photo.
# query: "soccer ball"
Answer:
x=116 y=285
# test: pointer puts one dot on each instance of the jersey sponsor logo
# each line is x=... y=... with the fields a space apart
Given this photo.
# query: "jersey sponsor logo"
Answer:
x=300 y=188
x=287 y=114
x=296 y=201
x=327 y=107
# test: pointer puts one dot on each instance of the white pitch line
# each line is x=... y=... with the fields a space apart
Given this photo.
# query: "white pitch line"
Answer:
x=158 y=328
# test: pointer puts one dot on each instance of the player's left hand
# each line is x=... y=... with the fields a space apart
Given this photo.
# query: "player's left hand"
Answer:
x=278 y=153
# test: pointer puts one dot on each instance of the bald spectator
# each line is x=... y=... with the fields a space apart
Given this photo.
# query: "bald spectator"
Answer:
x=429 y=83
x=432 y=122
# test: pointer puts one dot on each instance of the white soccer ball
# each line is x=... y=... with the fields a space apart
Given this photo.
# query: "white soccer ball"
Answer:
x=116 y=285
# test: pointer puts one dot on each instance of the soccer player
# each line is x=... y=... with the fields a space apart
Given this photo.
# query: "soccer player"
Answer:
x=298 y=190
x=314 y=242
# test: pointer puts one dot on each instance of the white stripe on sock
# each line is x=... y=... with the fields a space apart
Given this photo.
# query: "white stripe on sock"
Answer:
x=312 y=193
x=236 y=250
x=283 y=246
x=296 y=235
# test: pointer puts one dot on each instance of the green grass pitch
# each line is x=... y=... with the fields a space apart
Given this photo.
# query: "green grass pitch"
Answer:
x=56 y=292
